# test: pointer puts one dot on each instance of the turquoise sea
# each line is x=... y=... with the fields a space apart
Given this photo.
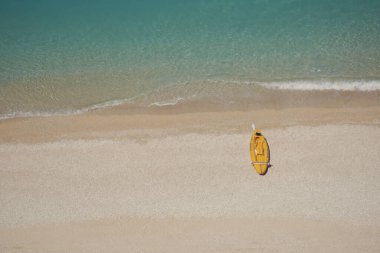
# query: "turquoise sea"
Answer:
x=66 y=56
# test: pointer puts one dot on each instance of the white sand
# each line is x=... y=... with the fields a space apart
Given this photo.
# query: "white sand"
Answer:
x=194 y=192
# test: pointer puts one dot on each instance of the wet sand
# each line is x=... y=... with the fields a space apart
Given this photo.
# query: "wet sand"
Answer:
x=106 y=181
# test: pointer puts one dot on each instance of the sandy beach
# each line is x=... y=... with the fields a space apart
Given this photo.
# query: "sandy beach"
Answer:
x=182 y=182
x=126 y=126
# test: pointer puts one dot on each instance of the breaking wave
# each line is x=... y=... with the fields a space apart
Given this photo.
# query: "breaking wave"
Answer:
x=230 y=94
x=339 y=85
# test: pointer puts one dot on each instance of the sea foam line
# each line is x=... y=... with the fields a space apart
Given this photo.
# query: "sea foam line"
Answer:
x=341 y=85
x=103 y=105
x=300 y=85
x=167 y=102
x=308 y=85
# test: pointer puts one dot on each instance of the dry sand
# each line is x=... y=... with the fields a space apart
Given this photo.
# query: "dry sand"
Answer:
x=108 y=182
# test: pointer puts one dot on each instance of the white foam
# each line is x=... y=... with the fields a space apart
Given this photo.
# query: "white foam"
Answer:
x=21 y=114
x=167 y=102
x=309 y=85
x=108 y=104
x=340 y=85
x=30 y=114
x=301 y=85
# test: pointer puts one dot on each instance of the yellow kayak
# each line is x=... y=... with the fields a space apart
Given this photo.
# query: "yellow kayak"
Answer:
x=259 y=150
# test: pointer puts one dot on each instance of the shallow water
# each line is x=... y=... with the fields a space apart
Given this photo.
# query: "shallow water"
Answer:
x=70 y=56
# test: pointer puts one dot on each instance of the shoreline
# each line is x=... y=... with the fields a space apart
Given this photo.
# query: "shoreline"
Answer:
x=103 y=123
x=182 y=99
